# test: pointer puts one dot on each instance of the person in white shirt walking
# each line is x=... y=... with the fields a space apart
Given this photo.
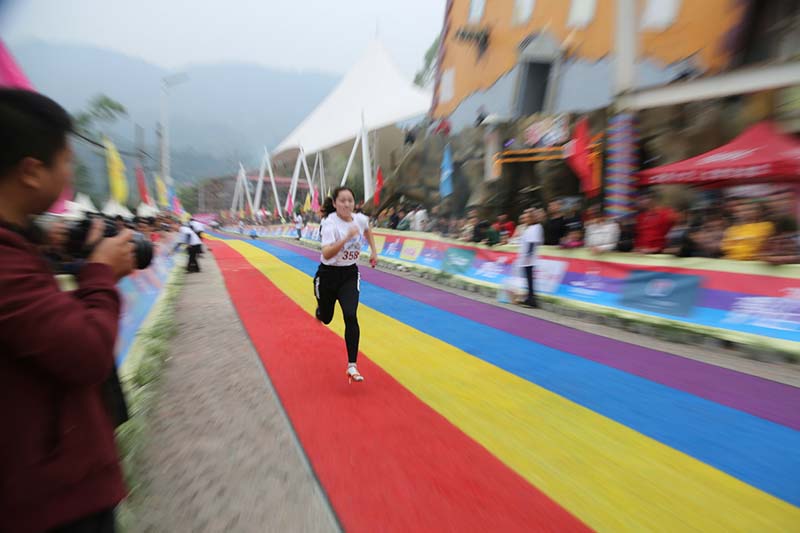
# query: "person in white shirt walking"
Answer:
x=199 y=228
x=337 y=277
x=193 y=245
x=298 y=225
x=532 y=238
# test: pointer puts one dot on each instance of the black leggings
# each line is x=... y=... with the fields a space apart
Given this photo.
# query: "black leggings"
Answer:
x=334 y=283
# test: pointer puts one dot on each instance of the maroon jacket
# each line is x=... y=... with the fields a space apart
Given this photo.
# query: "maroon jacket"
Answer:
x=58 y=458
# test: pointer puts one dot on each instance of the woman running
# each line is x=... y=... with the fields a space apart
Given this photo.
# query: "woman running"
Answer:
x=337 y=277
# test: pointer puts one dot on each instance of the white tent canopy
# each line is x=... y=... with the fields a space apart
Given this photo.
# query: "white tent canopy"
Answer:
x=146 y=210
x=373 y=89
x=85 y=203
x=113 y=208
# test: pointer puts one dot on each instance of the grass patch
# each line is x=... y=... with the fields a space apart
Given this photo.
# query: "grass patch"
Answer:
x=140 y=386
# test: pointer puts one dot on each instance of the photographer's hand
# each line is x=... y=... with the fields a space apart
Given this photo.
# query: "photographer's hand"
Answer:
x=95 y=233
x=116 y=252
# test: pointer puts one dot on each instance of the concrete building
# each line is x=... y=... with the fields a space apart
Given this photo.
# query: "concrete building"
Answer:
x=514 y=58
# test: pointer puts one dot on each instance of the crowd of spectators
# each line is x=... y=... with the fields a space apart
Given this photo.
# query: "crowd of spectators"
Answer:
x=744 y=229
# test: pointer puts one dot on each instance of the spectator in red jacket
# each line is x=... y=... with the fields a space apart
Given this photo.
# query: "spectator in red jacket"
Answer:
x=59 y=469
x=652 y=225
x=504 y=226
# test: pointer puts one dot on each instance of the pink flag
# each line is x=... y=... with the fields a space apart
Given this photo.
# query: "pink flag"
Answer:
x=10 y=74
x=60 y=206
x=315 y=201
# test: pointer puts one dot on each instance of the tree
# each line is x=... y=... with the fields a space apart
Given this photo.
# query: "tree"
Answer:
x=189 y=195
x=103 y=110
x=424 y=76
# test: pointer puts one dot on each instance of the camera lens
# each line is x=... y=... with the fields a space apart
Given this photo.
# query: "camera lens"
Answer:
x=143 y=251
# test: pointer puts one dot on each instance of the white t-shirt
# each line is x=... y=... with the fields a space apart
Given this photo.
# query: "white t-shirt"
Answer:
x=334 y=229
x=534 y=235
x=197 y=226
x=298 y=221
x=604 y=236
x=189 y=236
x=419 y=221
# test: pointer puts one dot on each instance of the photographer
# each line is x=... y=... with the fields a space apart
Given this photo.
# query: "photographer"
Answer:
x=59 y=468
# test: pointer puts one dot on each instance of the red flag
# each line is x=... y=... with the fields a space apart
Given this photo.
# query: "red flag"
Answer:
x=142 y=184
x=277 y=212
x=580 y=158
x=378 y=187
x=289 y=205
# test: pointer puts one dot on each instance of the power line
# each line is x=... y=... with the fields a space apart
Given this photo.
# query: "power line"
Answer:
x=100 y=145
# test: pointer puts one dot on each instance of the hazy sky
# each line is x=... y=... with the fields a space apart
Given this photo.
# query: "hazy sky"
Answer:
x=325 y=35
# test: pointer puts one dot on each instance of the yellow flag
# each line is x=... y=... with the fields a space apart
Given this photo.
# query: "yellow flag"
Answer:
x=307 y=203
x=118 y=182
x=161 y=192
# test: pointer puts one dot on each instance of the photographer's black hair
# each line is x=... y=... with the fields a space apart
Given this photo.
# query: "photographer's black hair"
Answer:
x=31 y=125
x=327 y=206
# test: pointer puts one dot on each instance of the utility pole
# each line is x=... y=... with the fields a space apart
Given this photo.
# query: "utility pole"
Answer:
x=166 y=83
x=139 y=140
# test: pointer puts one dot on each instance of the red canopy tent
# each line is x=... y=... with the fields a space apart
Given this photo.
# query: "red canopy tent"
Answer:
x=760 y=154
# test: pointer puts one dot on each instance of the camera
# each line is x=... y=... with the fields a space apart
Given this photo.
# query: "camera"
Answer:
x=79 y=230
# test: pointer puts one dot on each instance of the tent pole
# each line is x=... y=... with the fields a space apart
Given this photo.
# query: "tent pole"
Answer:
x=236 y=194
x=366 y=161
x=260 y=186
x=350 y=161
x=322 y=182
x=316 y=167
x=247 y=189
x=308 y=174
x=272 y=180
x=295 y=177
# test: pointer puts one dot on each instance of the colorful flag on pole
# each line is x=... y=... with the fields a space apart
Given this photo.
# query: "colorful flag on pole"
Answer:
x=141 y=182
x=378 y=186
x=10 y=73
x=161 y=192
x=580 y=159
x=307 y=203
x=118 y=183
x=315 y=201
x=446 y=179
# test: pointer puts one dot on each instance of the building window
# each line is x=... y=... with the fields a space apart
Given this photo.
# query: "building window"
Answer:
x=523 y=9
x=581 y=13
x=660 y=14
x=476 y=10
x=447 y=85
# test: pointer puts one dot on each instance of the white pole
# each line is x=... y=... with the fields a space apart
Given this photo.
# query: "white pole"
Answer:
x=316 y=167
x=260 y=186
x=366 y=162
x=165 y=163
x=350 y=161
x=323 y=185
x=293 y=185
x=234 y=203
x=625 y=46
x=272 y=180
x=308 y=174
x=246 y=188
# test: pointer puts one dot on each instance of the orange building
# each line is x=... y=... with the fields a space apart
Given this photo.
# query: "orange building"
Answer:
x=514 y=58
